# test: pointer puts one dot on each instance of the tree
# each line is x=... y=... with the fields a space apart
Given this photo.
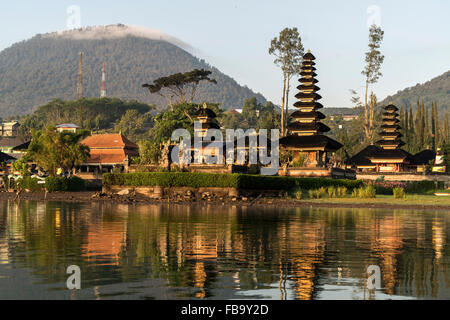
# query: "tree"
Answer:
x=178 y=85
x=374 y=60
x=133 y=124
x=52 y=150
x=288 y=52
x=149 y=152
x=180 y=116
x=435 y=126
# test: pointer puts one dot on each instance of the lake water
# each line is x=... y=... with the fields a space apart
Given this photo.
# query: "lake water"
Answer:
x=220 y=252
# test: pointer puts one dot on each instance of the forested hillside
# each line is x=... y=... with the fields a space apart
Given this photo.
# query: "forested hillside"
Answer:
x=38 y=70
x=437 y=89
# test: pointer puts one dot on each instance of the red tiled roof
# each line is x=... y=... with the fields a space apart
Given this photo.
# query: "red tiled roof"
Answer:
x=108 y=140
x=110 y=148
x=106 y=156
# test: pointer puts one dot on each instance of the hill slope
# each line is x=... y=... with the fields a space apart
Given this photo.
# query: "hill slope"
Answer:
x=45 y=67
x=437 y=89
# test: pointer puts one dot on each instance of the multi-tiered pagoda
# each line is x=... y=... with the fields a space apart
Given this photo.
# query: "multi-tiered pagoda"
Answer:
x=386 y=155
x=390 y=133
x=207 y=118
x=307 y=139
x=390 y=157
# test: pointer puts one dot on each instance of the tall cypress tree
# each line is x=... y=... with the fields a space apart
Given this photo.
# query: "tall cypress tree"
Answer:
x=412 y=132
x=406 y=128
x=419 y=124
x=427 y=135
x=436 y=133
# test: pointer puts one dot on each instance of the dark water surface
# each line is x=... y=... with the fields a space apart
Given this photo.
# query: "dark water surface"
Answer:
x=220 y=252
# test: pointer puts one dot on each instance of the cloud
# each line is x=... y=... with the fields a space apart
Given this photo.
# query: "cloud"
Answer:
x=119 y=31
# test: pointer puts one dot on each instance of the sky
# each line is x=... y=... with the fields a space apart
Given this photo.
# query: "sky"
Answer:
x=234 y=36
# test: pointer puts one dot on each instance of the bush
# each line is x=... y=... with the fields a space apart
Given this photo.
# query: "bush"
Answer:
x=368 y=191
x=422 y=187
x=29 y=183
x=318 y=193
x=342 y=192
x=399 y=193
x=234 y=180
x=64 y=184
x=332 y=191
x=298 y=194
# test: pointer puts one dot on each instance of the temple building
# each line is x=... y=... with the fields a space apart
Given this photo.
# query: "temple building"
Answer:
x=307 y=141
x=386 y=155
x=391 y=158
x=108 y=151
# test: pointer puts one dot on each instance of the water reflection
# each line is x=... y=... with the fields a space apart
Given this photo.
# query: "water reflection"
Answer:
x=179 y=252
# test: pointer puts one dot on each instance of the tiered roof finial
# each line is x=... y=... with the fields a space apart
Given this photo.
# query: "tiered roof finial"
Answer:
x=306 y=129
x=390 y=129
x=307 y=118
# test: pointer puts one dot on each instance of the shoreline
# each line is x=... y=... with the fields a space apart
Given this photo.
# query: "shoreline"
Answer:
x=96 y=196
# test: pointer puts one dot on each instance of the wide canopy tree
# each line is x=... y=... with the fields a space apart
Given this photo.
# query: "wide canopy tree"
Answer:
x=180 y=85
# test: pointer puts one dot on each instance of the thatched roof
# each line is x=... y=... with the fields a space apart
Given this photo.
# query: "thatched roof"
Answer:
x=301 y=95
x=319 y=141
x=298 y=126
x=362 y=157
x=307 y=115
x=308 y=56
x=316 y=105
x=424 y=157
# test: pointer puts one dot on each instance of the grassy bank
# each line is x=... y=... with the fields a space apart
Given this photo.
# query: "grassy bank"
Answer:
x=418 y=200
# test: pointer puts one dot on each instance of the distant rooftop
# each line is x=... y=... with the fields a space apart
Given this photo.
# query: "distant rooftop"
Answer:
x=67 y=125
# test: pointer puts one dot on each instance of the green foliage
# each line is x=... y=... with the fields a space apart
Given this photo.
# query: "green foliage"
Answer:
x=134 y=125
x=288 y=51
x=29 y=183
x=51 y=149
x=180 y=85
x=21 y=166
x=254 y=115
x=179 y=116
x=298 y=194
x=399 y=193
x=299 y=160
x=421 y=187
x=374 y=58
x=434 y=90
x=93 y=113
x=317 y=193
x=368 y=191
x=235 y=180
x=36 y=70
x=332 y=192
x=149 y=153
x=446 y=151
x=342 y=192
x=64 y=184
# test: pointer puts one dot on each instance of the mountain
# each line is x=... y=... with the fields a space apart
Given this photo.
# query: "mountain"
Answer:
x=437 y=89
x=45 y=67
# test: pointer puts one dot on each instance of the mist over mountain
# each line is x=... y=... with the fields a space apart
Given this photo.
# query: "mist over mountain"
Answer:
x=36 y=71
x=437 y=89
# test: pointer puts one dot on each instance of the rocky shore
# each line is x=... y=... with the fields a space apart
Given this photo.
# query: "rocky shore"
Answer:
x=207 y=198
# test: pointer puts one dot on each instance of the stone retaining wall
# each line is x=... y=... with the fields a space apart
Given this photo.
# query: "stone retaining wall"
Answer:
x=156 y=192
